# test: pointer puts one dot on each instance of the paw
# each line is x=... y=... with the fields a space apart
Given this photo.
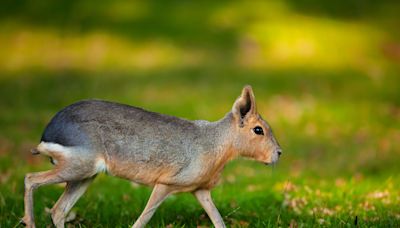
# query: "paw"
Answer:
x=58 y=222
x=22 y=222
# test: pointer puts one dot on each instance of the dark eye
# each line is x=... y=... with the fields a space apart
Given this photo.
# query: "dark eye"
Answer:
x=258 y=130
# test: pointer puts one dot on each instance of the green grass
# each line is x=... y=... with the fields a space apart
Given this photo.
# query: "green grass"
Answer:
x=325 y=77
x=249 y=195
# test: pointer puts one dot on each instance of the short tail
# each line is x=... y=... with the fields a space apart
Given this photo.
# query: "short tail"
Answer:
x=55 y=151
x=49 y=149
x=35 y=151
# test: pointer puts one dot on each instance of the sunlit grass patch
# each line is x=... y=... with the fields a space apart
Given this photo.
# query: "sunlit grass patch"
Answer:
x=52 y=50
x=273 y=36
x=342 y=201
x=298 y=41
x=265 y=35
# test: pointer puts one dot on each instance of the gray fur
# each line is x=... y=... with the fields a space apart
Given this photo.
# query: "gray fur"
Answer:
x=132 y=135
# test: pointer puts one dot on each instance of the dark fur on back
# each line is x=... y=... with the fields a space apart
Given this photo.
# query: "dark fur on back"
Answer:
x=76 y=123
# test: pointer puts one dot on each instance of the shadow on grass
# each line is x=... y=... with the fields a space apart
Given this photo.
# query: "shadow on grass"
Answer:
x=352 y=9
x=187 y=23
x=38 y=90
x=183 y=22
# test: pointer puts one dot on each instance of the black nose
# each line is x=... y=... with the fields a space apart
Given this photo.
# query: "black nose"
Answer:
x=279 y=152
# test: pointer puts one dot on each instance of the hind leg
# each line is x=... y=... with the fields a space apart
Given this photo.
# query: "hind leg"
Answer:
x=32 y=181
x=69 y=168
x=73 y=191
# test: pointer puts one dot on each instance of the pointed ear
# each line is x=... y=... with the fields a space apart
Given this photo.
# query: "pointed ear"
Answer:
x=245 y=105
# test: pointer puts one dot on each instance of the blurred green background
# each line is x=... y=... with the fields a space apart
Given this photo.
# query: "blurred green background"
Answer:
x=325 y=76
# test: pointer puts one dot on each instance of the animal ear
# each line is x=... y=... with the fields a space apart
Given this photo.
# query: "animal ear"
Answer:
x=245 y=105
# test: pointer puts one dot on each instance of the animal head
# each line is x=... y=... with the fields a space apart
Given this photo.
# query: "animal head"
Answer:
x=253 y=137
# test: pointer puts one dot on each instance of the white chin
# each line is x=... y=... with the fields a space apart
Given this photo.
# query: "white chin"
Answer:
x=274 y=158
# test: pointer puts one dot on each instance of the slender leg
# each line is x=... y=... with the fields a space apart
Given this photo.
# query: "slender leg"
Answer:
x=32 y=181
x=204 y=197
x=73 y=191
x=160 y=192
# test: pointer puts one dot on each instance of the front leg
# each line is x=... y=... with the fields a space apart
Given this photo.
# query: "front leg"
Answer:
x=159 y=194
x=204 y=197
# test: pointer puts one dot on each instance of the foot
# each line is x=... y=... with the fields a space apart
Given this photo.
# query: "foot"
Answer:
x=58 y=221
x=27 y=222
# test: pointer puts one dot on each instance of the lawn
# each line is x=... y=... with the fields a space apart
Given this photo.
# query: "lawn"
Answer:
x=325 y=76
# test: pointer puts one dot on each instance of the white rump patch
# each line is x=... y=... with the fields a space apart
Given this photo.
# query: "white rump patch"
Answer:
x=50 y=149
x=101 y=165
x=47 y=147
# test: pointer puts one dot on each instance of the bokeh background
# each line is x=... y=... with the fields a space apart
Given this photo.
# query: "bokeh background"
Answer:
x=325 y=75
